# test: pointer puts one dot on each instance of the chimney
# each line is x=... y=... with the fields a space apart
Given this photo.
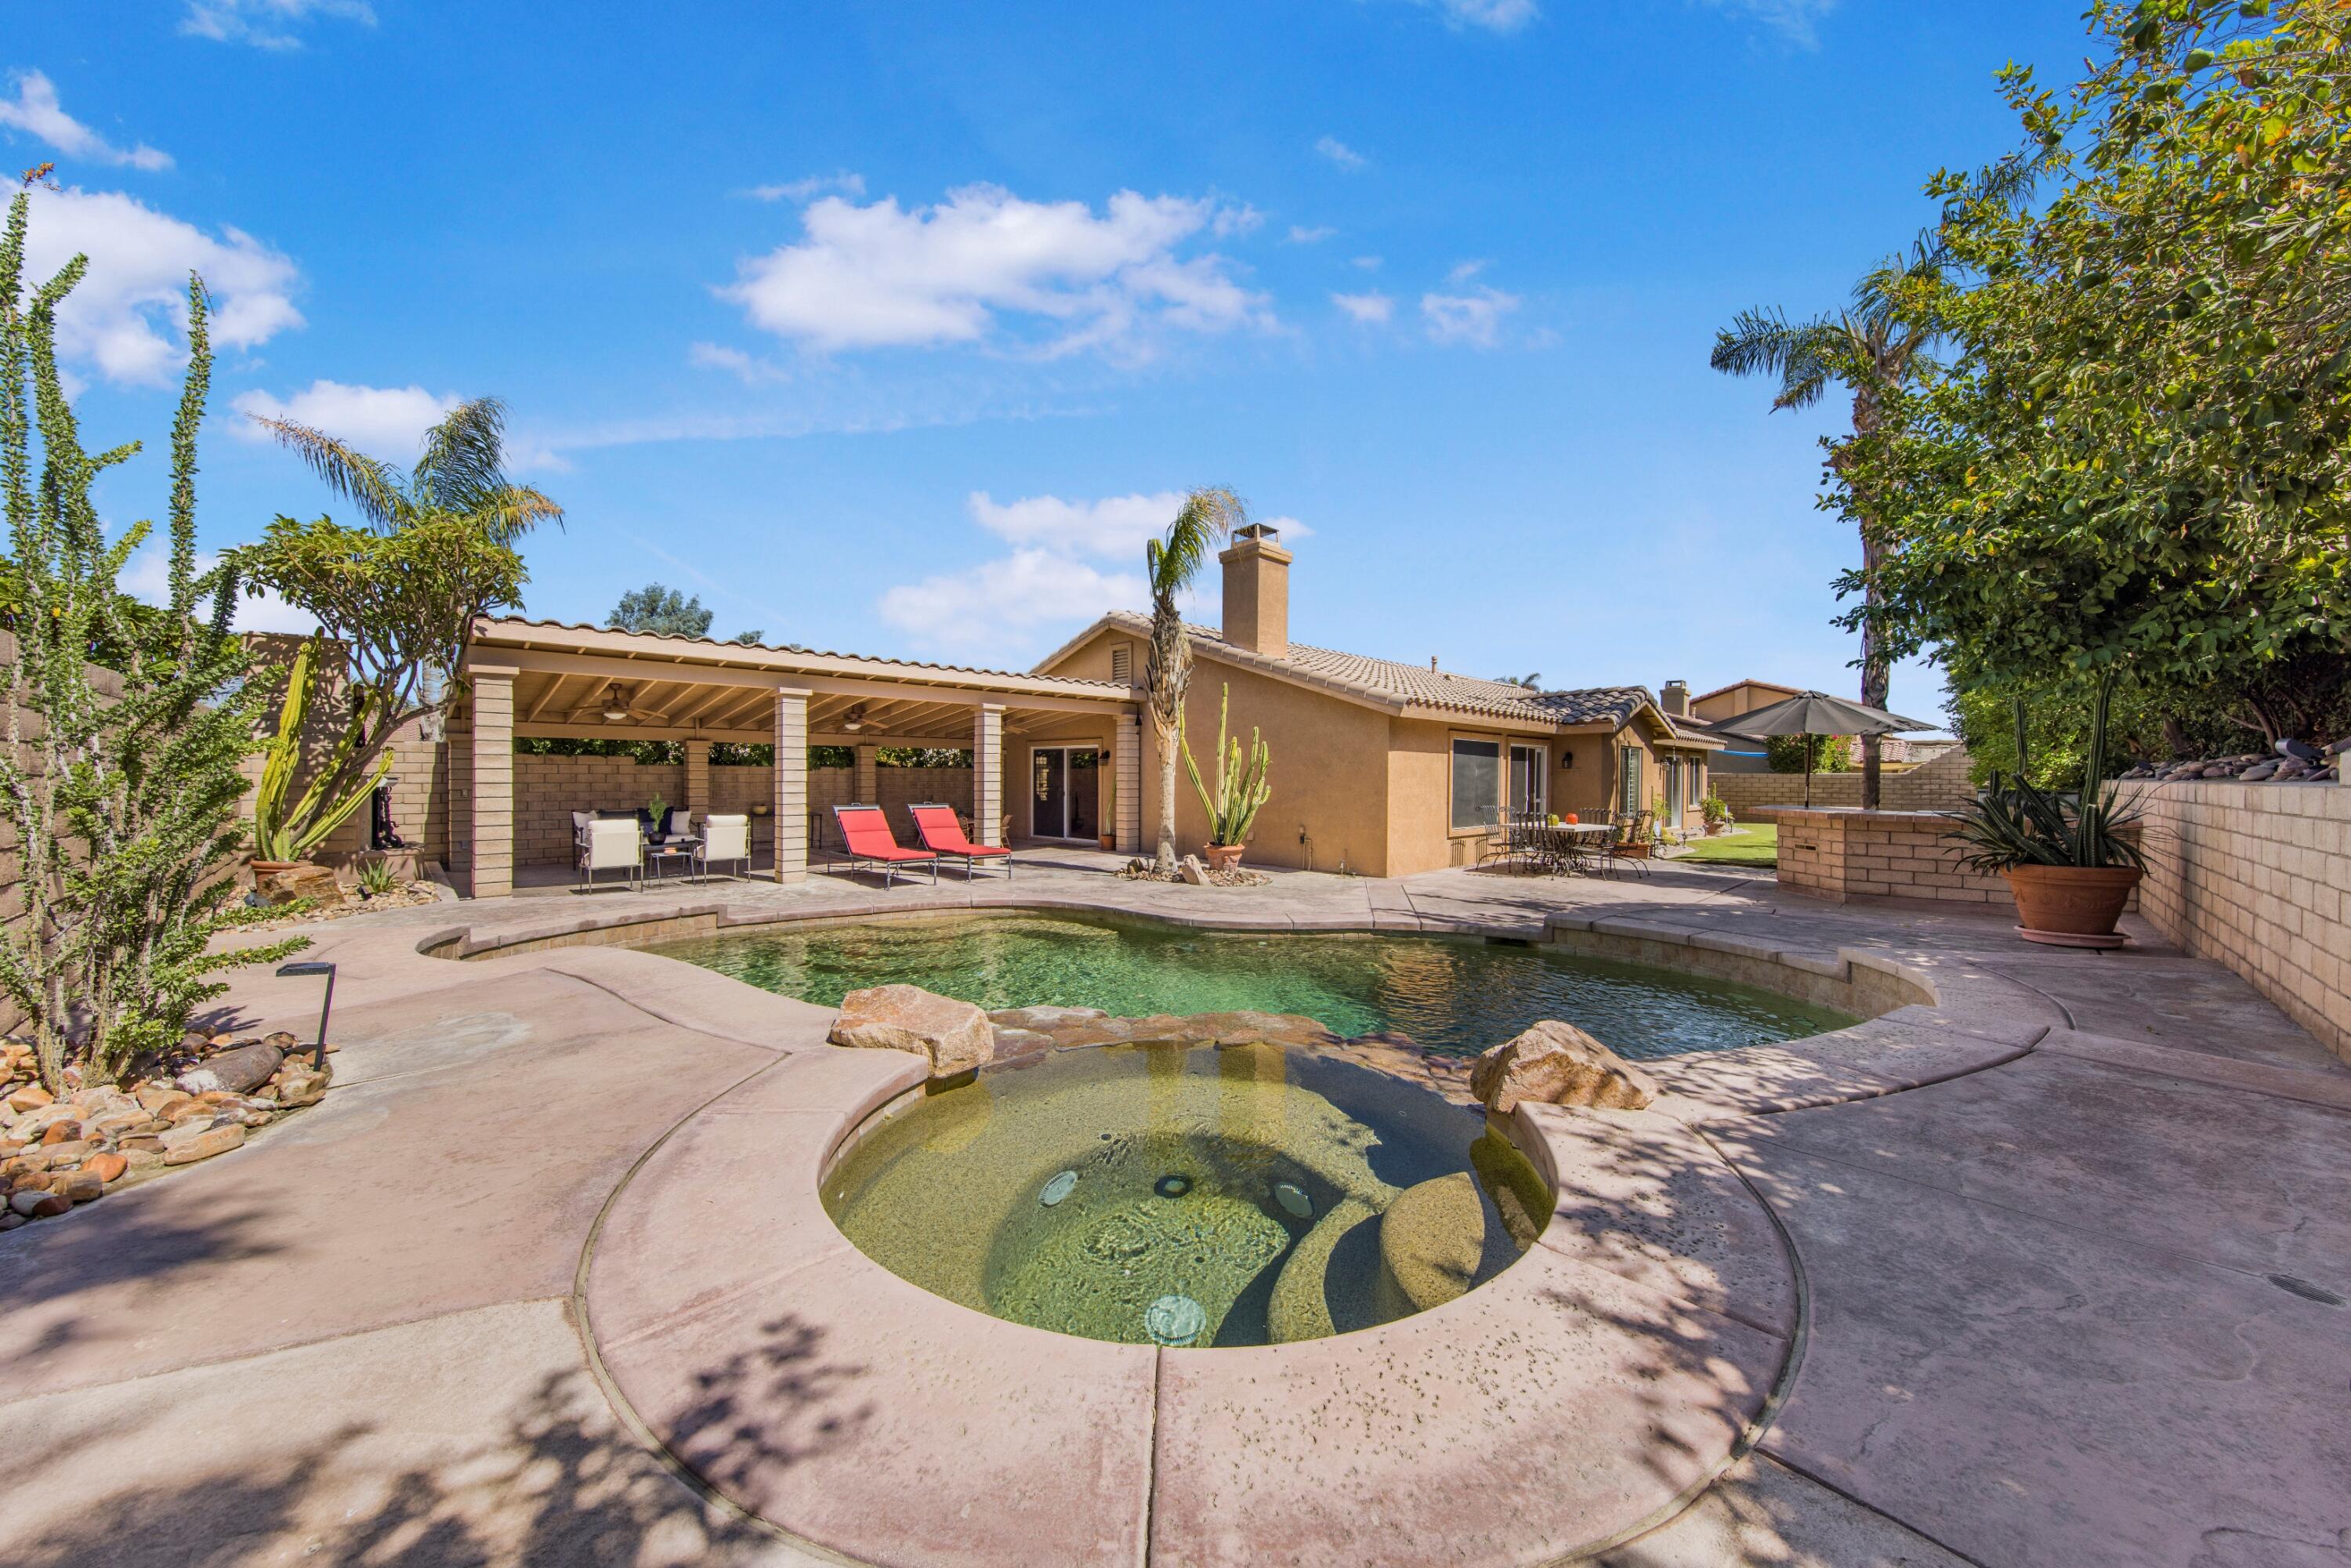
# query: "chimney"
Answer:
x=1257 y=591
x=1675 y=699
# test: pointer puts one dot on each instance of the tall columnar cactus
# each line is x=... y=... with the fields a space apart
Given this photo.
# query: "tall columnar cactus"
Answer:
x=1241 y=784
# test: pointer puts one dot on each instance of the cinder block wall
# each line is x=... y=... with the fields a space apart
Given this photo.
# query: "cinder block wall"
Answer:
x=2258 y=876
x=1940 y=785
x=547 y=790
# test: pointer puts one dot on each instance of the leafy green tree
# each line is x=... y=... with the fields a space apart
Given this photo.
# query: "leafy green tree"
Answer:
x=397 y=597
x=2134 y=462
x=666 y=612
x=663 y=611
x=1830 y=753
x=121 y=792
x=1172 y=561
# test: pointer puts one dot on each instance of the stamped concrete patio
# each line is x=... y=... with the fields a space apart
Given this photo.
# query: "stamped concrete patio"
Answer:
x=2067 y=1262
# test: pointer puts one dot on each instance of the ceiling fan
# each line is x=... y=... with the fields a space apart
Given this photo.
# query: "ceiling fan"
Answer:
x=616 y=704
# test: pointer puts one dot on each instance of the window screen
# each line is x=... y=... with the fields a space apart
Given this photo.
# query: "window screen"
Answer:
x=1477 y=781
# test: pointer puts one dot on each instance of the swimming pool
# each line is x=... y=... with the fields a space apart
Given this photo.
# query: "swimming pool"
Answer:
x=1450 y=995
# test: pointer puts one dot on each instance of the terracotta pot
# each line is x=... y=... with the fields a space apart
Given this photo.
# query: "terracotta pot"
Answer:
x=2071 y=905
x=1222 y=857
x=263 y=868
x=1108 y=841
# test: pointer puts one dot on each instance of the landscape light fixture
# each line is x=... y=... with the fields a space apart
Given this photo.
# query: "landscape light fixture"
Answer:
x=301 y=971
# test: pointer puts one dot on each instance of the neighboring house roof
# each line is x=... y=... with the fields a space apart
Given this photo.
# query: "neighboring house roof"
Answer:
x=1759 y=685
x=1386 y=682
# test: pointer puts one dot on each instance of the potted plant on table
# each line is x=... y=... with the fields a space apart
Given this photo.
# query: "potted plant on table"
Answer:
x=1242 y=788
x=2066 y=858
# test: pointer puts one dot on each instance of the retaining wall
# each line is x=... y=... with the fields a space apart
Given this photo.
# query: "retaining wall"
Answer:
x=2258 y=876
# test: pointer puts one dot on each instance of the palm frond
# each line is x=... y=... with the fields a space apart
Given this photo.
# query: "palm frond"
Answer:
x=1176 y=558
x=464 y=462
x=513 y=511
x=371 y=483
x=1765 y=342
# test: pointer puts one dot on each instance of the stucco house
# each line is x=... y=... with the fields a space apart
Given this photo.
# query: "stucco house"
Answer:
x=1379 y=766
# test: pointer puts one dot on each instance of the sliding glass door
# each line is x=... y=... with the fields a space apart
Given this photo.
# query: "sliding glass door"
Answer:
x=1065 y=793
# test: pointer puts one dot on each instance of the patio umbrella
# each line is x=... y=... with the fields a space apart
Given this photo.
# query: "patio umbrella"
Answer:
x=1809 y=714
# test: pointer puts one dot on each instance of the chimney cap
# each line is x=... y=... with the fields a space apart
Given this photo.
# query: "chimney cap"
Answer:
x=1265 y=531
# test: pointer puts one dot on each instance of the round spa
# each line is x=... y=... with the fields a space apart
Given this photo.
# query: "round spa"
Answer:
x=1204 y=1196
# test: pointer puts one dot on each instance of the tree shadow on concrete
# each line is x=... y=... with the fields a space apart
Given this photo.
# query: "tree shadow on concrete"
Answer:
x=558 y=1481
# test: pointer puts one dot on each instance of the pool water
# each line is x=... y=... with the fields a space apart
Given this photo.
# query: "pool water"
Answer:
x=1454 y=996
x=1203 y=1195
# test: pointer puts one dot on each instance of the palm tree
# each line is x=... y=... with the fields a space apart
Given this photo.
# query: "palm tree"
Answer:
x=1870 y=348
x=1534 y=683
x=1171 y=562
x=461 y=474
x=400 y=594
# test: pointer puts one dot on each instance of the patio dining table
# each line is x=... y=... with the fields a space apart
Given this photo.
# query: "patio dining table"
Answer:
x=1563 y=846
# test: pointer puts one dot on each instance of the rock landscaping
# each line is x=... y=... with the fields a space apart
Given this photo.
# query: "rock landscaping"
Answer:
x=2295 y=763
x=1191 y=869
x=58 y=1152
x=335 y=902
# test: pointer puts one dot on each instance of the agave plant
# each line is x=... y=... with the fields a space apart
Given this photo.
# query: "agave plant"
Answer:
x=1241 y=787
x=2016 y=823
x=288 y=830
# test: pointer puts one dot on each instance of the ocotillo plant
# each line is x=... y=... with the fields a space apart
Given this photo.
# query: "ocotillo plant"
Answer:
x=1241 y=787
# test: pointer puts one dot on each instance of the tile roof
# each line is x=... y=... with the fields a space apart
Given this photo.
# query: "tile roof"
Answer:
x=1387 y=679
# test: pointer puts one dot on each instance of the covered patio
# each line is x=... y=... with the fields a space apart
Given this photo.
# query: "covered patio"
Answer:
x=530 y=679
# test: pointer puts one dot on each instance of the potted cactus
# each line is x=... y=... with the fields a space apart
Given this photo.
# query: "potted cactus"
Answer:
x=1242 y=788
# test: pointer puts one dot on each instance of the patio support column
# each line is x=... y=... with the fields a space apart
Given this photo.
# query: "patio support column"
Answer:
x=791 y=784
x=493 y=705
x=1126 y=831
x=697 y=776
x=987 y=772
x=869 y=782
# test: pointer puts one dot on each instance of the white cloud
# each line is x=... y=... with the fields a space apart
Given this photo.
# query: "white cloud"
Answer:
x=1793 y=20
x=846 y=182
x=388 y=422
x=745 y=367
x=1501 y=16
x=36 y=111
x=1115 y=526
x=1464 y=271
x=137 y=283
x=1369 y=308
x=880 y=276
x=266 y=24
x=998 y=609
x=1301 y=235
x=1342 y=154
x=1005 y=608
x=147 y=577
x=1231 y=220
x=1368 y=263
x=1474 y=319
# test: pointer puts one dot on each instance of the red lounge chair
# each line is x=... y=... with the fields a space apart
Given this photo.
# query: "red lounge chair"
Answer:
x=867 y=834
x=943 y=835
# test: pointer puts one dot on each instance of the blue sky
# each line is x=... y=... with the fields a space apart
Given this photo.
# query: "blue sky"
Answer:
x=889 y=328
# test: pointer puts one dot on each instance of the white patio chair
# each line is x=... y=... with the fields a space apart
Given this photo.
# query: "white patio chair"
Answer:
x=612 y=843
x=724 y=838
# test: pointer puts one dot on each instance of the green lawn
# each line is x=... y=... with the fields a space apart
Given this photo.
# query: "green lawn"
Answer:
x=1757 y=844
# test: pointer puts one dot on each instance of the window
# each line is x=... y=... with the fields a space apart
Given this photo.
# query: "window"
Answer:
x=1527 y=764
x=1477 y=781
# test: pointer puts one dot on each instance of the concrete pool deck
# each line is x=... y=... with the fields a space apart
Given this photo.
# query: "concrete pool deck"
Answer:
x=2076 y=1299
